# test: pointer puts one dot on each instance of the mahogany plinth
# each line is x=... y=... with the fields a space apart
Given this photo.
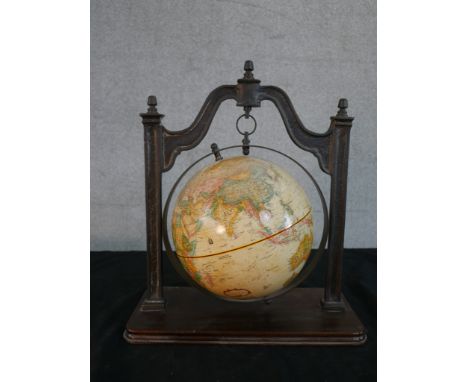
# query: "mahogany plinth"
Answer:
x=295 y=318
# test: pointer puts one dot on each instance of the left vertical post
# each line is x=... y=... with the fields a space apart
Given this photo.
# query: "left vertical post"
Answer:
x=153 y=136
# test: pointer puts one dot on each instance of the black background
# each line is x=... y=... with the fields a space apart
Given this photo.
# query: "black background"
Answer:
x=118 y=281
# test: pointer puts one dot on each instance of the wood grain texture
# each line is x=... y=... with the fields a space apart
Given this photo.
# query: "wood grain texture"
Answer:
x=293 y=319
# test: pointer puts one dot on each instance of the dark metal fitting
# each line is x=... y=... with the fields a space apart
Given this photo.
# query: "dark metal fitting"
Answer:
x=215 y=151
x=246 y=144
x=246 y=116
x=248 y=67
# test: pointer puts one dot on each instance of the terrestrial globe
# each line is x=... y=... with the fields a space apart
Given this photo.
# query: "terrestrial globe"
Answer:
x=242 y=228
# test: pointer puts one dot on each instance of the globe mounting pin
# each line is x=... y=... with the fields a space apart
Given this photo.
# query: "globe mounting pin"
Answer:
x=215 y=151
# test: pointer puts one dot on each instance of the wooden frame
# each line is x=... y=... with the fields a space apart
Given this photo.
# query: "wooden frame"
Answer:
x=330 y=319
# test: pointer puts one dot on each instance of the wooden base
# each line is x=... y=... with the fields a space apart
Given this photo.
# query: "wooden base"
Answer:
x=295 y=318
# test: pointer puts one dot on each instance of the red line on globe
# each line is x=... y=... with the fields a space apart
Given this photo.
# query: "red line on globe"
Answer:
x=248 y=245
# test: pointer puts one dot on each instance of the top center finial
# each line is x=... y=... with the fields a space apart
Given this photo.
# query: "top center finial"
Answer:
x=248 y=67
x=248 y=77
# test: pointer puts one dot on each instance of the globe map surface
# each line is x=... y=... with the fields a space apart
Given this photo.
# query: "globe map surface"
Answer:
x=242 y=228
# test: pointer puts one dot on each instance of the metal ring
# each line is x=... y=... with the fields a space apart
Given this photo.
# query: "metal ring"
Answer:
x=303 y=274
x=247 y=116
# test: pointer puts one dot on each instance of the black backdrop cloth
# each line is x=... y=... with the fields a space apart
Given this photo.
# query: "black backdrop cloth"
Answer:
x=118 y=281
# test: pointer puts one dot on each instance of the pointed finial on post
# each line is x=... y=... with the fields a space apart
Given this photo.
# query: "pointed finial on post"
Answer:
x=342 y=119
x=152 y=102
x=342 y=106
x=152 y=112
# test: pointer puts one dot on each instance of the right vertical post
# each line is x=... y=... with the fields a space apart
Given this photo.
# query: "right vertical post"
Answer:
x=338 y=165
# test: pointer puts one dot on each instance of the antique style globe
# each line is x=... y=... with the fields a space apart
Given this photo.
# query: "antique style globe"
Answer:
x=242 y=228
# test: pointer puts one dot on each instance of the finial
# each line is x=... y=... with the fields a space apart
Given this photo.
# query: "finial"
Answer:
x=215 y=151
x=248 y=77
x=248 y=67
x=152 y=102
x=152 y=113
x=342 y=106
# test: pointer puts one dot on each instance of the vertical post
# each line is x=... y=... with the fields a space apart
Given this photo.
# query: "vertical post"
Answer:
x=153 y=130
x=339 y=153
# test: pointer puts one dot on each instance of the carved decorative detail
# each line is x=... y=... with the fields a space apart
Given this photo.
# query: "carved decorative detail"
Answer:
x=305 y=139
x=174 y=142
x=248 y=93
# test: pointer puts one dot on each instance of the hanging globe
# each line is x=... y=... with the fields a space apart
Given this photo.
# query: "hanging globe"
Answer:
x=242 y=228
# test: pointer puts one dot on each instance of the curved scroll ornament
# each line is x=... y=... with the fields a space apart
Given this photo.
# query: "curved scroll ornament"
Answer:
x=176 y=141
x=316 y=143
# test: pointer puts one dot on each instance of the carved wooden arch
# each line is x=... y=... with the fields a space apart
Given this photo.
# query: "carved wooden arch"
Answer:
x=247 y=93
